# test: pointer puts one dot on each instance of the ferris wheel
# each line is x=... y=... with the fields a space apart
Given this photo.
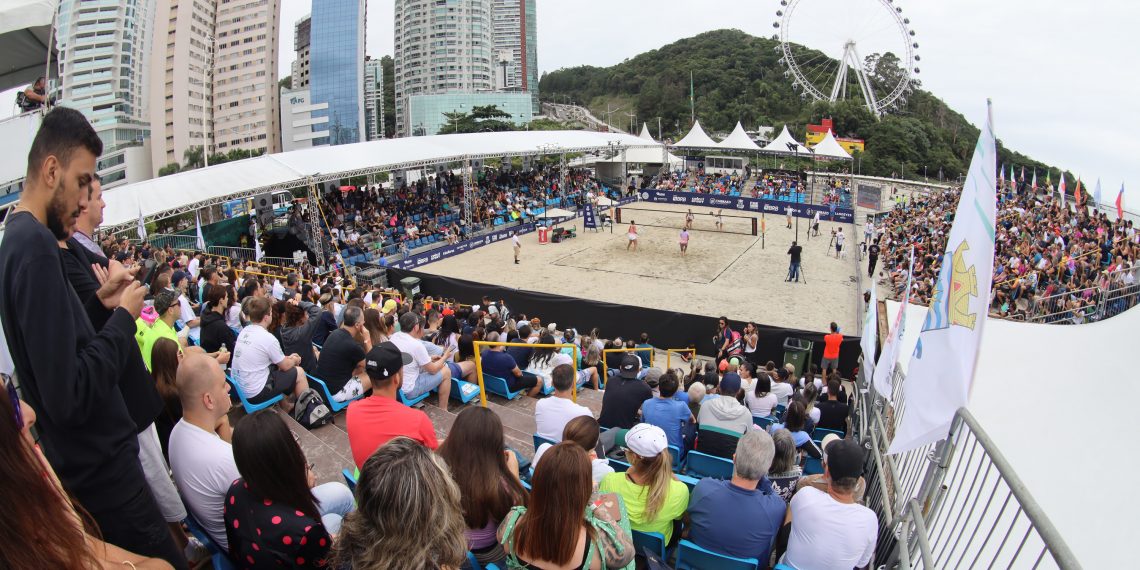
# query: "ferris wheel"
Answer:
x=823 y=44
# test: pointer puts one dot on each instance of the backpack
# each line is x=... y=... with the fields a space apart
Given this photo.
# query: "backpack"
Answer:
x=311 y=411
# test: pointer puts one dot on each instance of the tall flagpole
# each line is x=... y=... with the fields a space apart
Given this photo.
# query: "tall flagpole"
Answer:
x=692 y=101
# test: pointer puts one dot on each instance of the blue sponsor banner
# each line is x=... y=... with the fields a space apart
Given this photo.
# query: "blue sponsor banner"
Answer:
x=588 y=220
x=741 y=203
x=444 y=252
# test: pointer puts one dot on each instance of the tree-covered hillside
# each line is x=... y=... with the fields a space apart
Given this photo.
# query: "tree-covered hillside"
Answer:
x=737 y=77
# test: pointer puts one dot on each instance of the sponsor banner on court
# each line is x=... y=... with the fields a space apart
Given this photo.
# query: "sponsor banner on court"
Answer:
x=588 y=220
x=741 y=203
x=870 y=197
x=444 y=252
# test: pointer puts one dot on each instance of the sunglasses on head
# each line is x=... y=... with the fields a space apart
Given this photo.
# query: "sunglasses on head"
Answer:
x=14 y=398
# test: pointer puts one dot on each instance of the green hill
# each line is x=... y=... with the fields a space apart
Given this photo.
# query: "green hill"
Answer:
x=737 y=77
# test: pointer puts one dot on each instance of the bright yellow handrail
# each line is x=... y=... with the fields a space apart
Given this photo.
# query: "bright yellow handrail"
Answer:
x=479 y=344
x=669 y=355
x=642 y=349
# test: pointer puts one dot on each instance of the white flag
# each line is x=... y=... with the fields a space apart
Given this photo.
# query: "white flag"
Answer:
x=885 y=366
x=870 y=332
x=1096 y=195
x=142 y=225
x=257 y=254
x=1061 y=188
x=201 y=243
x=941 y=369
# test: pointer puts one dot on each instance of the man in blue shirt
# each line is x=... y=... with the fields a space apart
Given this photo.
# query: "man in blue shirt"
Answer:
x=740 y=517
x=498 y=363
x=666 y=412
x=645 y=355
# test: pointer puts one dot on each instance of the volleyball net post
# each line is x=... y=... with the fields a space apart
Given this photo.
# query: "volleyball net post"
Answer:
x=669 y=355
x=480 y=344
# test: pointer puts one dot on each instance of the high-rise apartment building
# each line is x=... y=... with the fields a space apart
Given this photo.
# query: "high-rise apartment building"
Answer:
x=336 y=55
x=104 y=48
x=373 y=99
x=301 y=32
x=214 y=78
x=245 y=76
x=516 y=47
x=441 y=47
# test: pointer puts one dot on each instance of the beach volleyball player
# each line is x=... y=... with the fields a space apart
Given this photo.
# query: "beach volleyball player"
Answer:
x=632 y=235
x=684 y=241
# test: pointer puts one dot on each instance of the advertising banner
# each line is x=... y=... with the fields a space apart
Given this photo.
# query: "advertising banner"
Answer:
x=741 y=203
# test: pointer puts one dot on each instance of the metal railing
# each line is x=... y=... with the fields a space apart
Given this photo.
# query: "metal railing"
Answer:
x=1117 y=292
x=174 y=241
x=954 y=504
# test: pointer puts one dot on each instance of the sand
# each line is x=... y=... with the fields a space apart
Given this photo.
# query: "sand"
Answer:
x=731 y=274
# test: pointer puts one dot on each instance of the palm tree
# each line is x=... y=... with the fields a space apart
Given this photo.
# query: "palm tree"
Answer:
x=193 y=157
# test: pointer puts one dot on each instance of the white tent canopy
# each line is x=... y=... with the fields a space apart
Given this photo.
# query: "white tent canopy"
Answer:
x=738 y=140
x=645 y=133
x=829 y=148
x=696 y=138
x=185 y=191
x=25 y=29
x=780 y=144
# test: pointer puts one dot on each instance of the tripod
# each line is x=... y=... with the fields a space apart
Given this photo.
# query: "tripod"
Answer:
x=803 y=274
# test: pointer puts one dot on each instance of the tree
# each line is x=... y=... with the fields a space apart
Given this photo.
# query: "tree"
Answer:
x=169 y=169
x=286 y=82
x=480 y=119
x=193 y=157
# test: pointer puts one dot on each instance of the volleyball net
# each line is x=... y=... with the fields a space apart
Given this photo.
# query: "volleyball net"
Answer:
x=703 y=220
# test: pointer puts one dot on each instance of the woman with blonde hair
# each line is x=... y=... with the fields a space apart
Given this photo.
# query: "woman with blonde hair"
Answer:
x=653 y=496
x=407 y=515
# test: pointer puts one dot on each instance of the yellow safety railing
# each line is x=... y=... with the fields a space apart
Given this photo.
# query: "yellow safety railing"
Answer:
x=669 y=355
x=479 y=344
x=648 y=349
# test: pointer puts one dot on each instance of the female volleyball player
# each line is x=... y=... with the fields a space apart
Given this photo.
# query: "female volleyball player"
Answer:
x=684 y=240
x=632 y=235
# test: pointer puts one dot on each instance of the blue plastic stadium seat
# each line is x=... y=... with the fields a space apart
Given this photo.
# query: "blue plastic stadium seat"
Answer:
x=820 y=433
x=539 y=440
x=463 y=391
x=763 y=421
x=693 y=557
x=349 y=479
x=619 y=466
x=813 y=466
x=496 y=385
x=405 y=401
x=701 y=465
x=218 y=557
x=654 y=541
x=676 y=453
x=334 y=405
x=245 y=403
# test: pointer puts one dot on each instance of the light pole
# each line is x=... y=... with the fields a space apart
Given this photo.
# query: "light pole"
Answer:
x=795 y=148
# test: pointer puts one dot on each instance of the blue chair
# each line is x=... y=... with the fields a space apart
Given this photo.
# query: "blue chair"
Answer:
x=701 y=465
x=690 y=482
x=463 y=391
x=334 y=405
x=676 y=453
x=411 y=402
x=496 y=385
x=619 y=466
x=692 y=557
x=820 y=433
x=349 y=479
x=539 y=440
x=813 y=466
x=763 y=421
x=654 y=541
x=218 y=557
x=780 y=409
x=249 y=406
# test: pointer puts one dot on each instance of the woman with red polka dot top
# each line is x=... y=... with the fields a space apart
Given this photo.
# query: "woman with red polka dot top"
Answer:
x=274 y=515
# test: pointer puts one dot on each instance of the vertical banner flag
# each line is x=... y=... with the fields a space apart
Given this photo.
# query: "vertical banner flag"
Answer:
x=143 y=225
x=257 y=254
x=1096 y=195
x=1001 y=175
x=1022 y=177
x=1120 y=203
x=885 y=366
x=1077 y=192
x=588 y=219
x=1061 y=188
x=870 y=332
x=941 y=369
x=201 y=243
x=1034 y=184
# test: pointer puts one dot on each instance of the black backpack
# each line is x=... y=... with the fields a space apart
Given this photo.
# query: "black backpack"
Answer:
x=311 y=411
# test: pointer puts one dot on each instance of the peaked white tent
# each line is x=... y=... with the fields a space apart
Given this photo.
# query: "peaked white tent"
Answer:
x=829 y=148
x=25 y=29
x=645 y=133
x=696 y=138
x=738 y=140
x=780 y=144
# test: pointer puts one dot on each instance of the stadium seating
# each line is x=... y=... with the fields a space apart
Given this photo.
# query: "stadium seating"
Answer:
x=693 y=557
x=245 y=403
x=539 y=440
x=405 y=401
x=218 y=557
x=334 y=405
x=763 y=421
x=653 y=541
x=701 y=465
x=496 y=385
x=813 y=466
x=349 y=479
x=820 y=433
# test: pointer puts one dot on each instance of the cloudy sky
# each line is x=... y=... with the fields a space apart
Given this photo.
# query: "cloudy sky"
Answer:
x=1062 y=75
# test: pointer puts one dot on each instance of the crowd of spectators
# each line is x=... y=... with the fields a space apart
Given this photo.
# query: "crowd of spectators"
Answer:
x=768 y=184
x=1053 y=262
x=126 y=357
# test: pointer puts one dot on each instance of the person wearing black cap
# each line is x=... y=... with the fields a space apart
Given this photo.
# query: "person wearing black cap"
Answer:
x=374 y=420
x=833 y=518
x=624 y=395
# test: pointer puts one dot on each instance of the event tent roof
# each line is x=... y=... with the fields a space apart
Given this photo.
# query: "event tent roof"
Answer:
x=645 y=133
x=696 y=138
x=185 y=191
x=1042 y=447
x=25 y=31
x=738 y=140
x=829 y=148
x=780 y=144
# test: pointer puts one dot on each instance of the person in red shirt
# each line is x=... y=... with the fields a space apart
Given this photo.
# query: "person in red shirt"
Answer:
x=831 y=344
x=374 y=420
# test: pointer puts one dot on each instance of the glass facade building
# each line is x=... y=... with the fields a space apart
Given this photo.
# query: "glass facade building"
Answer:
x=425 y=112
x=336 y=55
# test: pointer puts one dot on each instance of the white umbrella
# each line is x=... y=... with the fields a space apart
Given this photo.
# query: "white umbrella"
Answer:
x=559 y=213
x=603 y=201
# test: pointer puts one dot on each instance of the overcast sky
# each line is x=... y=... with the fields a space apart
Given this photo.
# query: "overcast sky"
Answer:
x=1062 y=75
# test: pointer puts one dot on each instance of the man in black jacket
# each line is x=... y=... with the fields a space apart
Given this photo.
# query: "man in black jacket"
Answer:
x=794 y=266
x=71 y=355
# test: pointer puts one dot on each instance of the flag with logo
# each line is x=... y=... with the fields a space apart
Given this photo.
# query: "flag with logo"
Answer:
x=142 y=225
x=1034 y=183
x=885 y=366
x=1120 y=203
x=1061 y=189
x=201 y=242
x=870 y=332
x=257 y=254
x=941 y=370
x=1096 y=195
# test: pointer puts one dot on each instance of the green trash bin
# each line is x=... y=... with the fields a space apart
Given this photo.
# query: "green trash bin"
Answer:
x=798 y=352
x=410 y=286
